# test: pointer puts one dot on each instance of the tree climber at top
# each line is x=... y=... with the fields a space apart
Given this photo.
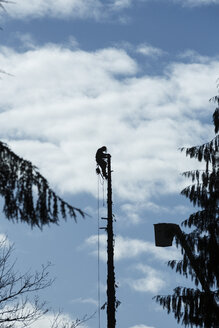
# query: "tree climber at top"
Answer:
x=101 y=161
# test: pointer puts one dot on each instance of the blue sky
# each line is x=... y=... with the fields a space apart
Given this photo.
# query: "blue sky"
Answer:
x=135 y=76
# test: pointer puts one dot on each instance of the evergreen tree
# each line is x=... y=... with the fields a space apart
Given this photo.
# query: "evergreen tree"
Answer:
x=26 y=193
x=199 y=306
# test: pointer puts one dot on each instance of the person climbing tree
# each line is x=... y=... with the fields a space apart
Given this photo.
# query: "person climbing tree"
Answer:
x=101 y=162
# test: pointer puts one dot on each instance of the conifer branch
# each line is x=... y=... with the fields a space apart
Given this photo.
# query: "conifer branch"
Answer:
x=200 y=247
x=27 y=194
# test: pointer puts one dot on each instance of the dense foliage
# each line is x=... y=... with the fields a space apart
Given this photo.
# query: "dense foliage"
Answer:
x=26 y=193
x=199 y=306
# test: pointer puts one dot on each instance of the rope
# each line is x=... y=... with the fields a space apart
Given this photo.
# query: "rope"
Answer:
x=98 y=248
x=103 y=194
x=103 y=189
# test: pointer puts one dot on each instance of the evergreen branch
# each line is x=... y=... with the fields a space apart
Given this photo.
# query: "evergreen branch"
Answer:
x=216 y=120
x=192 y=307
x=206 y=151
x=203 y=219
x=27 y=194
x=200 y=195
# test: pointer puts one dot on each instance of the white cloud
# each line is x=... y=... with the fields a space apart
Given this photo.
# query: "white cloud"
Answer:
x=193 y=56
x=132 y=248
x=131 y=213
x=44 y=320
x=151 y=282
x=85 y=301
x=120 y=4
x=58 y=9
x=96 y=9
x=128 y=248
x=63 y=104
x=195 y=3
x=48 y=319
x=141 y=326
x=134 y=213
x=92 y=243
x=4 y=241
x=83 y=9
x=27 y=40
x=148 y=50
x=60 y=319
x=2 y=237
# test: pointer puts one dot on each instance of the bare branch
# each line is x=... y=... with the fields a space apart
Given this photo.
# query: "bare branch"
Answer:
x=18 y=301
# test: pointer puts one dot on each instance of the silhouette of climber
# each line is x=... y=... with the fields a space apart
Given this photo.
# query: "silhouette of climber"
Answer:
x=101 y=162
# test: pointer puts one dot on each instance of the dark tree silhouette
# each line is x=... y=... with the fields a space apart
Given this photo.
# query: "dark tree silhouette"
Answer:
x=18 y=302
x=63 y=322
x=199 y=306
x=26 y=193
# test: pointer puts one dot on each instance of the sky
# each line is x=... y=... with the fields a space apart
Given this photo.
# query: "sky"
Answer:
x=135 y=76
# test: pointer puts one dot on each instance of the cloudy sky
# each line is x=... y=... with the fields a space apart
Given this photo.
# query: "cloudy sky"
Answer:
x=135 y=76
